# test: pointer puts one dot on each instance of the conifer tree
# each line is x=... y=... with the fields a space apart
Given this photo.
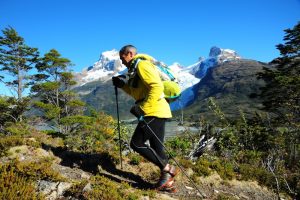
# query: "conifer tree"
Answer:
x=17 y=59
x=53 y=88
x=282 y=95
x=282 y=92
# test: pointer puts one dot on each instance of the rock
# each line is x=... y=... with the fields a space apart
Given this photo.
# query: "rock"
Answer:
x=87 y=187
x=52 y=190
x=189 y=188
x=165 y=197
x=243 y=196
x=70 y=173
x=145 y=198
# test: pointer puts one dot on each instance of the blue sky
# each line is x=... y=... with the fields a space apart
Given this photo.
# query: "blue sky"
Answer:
x=170 y=30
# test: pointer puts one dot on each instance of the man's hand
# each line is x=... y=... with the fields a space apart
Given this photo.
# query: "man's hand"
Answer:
x=118 y=81
x=137 y=112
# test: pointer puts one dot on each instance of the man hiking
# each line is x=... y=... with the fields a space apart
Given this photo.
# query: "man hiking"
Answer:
x=151 y=109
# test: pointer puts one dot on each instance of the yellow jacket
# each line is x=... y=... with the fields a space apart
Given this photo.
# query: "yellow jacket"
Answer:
x=149 y=90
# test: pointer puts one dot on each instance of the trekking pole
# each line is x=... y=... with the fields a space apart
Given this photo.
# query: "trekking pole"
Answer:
x=177 y=163
x=116 y=93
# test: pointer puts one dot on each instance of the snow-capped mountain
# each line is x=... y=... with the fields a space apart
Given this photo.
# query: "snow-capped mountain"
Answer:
x=186 y=81
x=216 y=56
x=109 y=65
x=191 y=75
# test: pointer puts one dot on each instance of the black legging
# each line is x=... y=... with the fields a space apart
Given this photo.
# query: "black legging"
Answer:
x=155 y=152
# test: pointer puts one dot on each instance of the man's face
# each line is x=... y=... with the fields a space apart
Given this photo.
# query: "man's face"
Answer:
x=126 y=58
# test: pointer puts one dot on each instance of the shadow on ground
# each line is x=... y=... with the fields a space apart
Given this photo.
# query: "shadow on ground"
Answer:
x=92 y=162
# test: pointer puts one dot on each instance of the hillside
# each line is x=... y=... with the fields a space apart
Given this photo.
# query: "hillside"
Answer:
x=60 y=148
x=94 y=85
x=231 y=84
x=40 y=166
x=101 y=96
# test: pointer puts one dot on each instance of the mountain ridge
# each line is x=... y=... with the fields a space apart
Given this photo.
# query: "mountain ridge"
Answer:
x=232 y=85
x=110 y=65
x=97 y=91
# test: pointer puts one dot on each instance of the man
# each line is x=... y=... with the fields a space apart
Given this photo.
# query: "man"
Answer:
x=151 y=109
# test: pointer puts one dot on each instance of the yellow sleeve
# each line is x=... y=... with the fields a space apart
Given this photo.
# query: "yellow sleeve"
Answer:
x=151 y=79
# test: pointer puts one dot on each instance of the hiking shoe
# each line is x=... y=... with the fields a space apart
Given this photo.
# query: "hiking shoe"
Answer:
x=168 y=188
x=174 y=171
x=165 y=181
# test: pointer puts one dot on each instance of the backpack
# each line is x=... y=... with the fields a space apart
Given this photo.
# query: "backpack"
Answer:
x=172 y=90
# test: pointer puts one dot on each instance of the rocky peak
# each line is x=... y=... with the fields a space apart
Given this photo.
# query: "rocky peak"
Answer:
x=107 y=60
x=107 y=65
x=222 y=55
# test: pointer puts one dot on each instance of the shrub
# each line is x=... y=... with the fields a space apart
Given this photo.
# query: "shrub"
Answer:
x=135 y=159
x=37 y=170
x=250 y=157
x=248 y=172
x=34 y=170
x=178 y=145
x=9 y=141
x=227 y=143
x=202 y=167
x=105 y=189
x=185 y=163
x=16 y=186
x=92 y=134
x=224 y=168
x=18 y=128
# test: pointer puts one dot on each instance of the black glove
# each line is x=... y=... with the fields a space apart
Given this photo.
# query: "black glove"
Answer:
x=118 y=81
x=137 y=112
